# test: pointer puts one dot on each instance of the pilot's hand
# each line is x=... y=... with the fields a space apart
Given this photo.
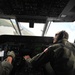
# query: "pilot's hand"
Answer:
x=9 y=59
x=26 y=57
x=11 y=54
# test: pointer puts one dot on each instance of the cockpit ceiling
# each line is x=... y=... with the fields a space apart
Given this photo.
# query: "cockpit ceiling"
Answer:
x=37 y=10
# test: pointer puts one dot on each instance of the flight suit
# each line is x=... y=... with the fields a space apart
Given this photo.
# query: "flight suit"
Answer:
x=5 y=68
x=61 y=58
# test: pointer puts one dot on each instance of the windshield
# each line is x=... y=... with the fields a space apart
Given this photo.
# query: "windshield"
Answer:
x=58 y=26
x=8 y=27
x=54 y=27
x=35 y=31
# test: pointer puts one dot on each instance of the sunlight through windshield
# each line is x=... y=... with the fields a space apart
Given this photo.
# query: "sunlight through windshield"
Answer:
x=37 y=30
x=58 y=26
x=8 y=27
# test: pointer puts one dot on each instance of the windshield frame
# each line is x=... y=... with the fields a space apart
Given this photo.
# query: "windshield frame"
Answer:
x=9 y=26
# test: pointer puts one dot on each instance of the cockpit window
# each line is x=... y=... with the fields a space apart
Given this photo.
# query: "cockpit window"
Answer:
x=11 y=27
x=50 y=31
x=37 y=30
x=58 y=26
x=8 y=27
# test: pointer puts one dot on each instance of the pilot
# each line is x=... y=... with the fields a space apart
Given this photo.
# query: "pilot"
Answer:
x=6 y=65
x=60 y=55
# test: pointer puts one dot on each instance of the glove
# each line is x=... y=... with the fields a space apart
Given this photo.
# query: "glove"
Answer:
x=11 y=53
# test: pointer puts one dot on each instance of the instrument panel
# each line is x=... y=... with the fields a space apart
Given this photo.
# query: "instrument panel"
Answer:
x=24 y=45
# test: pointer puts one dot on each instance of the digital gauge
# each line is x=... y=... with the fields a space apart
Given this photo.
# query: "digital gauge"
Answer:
x=1 y=53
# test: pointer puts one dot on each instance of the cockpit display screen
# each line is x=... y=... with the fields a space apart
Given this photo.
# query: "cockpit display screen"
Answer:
x=1 y=53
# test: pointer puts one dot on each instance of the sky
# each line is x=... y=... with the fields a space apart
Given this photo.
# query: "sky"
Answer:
x=67 y=26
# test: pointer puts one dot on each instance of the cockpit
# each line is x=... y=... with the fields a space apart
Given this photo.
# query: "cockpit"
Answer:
x=28 y=26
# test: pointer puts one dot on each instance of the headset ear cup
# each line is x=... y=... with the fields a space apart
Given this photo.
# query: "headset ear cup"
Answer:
x=63 y=35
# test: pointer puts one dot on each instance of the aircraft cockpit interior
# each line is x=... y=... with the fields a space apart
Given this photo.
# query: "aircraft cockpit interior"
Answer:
x=27 y=27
